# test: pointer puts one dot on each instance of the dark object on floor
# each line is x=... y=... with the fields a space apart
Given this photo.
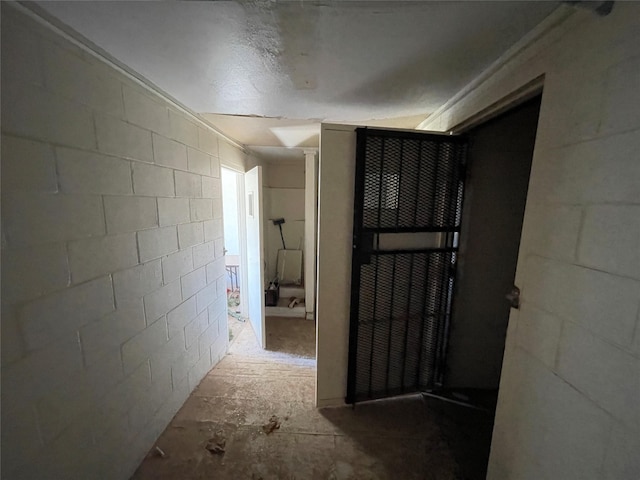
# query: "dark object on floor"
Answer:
x=274 y=424
x=216 y=445
x=272 y=294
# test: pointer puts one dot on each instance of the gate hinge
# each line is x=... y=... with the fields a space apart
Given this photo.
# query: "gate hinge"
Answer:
x=514 y=297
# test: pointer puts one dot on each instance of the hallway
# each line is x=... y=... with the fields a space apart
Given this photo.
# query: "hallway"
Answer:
x=386 y=439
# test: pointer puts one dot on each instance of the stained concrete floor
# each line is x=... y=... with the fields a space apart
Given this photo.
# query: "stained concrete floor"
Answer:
x=409 y=438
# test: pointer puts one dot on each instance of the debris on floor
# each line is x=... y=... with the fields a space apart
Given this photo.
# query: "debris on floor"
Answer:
x=216 y=444
x=274 y=424
x=293 y=301
x=233 y=304
x=399 y=438
x=237 y=316
x=159 y=452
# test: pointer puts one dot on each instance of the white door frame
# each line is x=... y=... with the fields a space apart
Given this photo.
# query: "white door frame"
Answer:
x=242 y=237
x=310 y=230
x=255 y=252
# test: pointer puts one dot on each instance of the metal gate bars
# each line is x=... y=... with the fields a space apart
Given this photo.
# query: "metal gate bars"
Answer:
x=407 y=211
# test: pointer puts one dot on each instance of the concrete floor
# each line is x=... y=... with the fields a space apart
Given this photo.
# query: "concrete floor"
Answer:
x=400 y=438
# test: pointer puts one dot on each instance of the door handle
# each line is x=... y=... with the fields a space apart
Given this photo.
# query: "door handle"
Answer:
x=365 y=246
x=514 y=297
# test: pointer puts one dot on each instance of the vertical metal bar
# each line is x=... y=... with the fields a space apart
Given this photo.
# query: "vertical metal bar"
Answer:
x=461 y=165
x=373 y=326
x=358 y=216
x=436 y=315
x=442 y=309
x=428 y=279
x=407 y=322
x=462 y=178
x=423 y=319
x=452 y=183
x=399 y=182
x=443 y=281
x=456 y=187
x=375 y=282
x=416 y=197
x=450 y=203
x=449 y=308
x=393 y=291
x=380 y=183
x=434 y=194
x=448 y=280
x=393 y=272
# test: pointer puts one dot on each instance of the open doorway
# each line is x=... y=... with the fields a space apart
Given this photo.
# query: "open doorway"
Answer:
x=266 y=241
x=284 y=194
x=429 y=314
x=499 y=164
x=235 y=252
x=497 y=179
x=288 y=203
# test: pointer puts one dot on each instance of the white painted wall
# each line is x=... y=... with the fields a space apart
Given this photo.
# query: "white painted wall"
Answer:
x=113 y=288
x=284 y=198
x=335 y=232
x=254 y=212
x=569 y=396
x=310 y=230
x=285 y=175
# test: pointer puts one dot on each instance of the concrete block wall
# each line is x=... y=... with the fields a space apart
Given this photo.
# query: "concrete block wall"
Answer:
x=113 y=292
x=569 y=402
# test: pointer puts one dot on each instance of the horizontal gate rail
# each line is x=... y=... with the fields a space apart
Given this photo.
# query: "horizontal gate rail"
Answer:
x=406 y=183
x=410 y=229
x=416 y=250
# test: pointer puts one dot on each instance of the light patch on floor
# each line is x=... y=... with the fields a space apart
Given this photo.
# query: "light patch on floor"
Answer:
x=399 y=438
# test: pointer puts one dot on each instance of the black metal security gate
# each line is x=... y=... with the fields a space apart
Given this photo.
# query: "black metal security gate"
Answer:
x=408 y=205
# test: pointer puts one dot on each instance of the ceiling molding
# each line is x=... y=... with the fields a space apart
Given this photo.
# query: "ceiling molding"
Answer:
x=557 y=17
x=49 y=21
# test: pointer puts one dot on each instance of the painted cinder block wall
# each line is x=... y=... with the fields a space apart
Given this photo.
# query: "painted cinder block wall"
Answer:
x=113 y=287
x=569 y=402
x=569 y=405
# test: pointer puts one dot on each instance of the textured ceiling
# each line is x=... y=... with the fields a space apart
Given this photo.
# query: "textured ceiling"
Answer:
x=352 y=61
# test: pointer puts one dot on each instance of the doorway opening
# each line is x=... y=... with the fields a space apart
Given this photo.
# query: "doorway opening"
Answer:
x=498 y=169
x=288 y=205
x=266 y=242
x=284 y=212
x=430 y=314
x=234 y=250
x=500 y=156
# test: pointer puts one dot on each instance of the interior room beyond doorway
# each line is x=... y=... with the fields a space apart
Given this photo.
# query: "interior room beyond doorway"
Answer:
x=284 y=233
x=233 y=219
